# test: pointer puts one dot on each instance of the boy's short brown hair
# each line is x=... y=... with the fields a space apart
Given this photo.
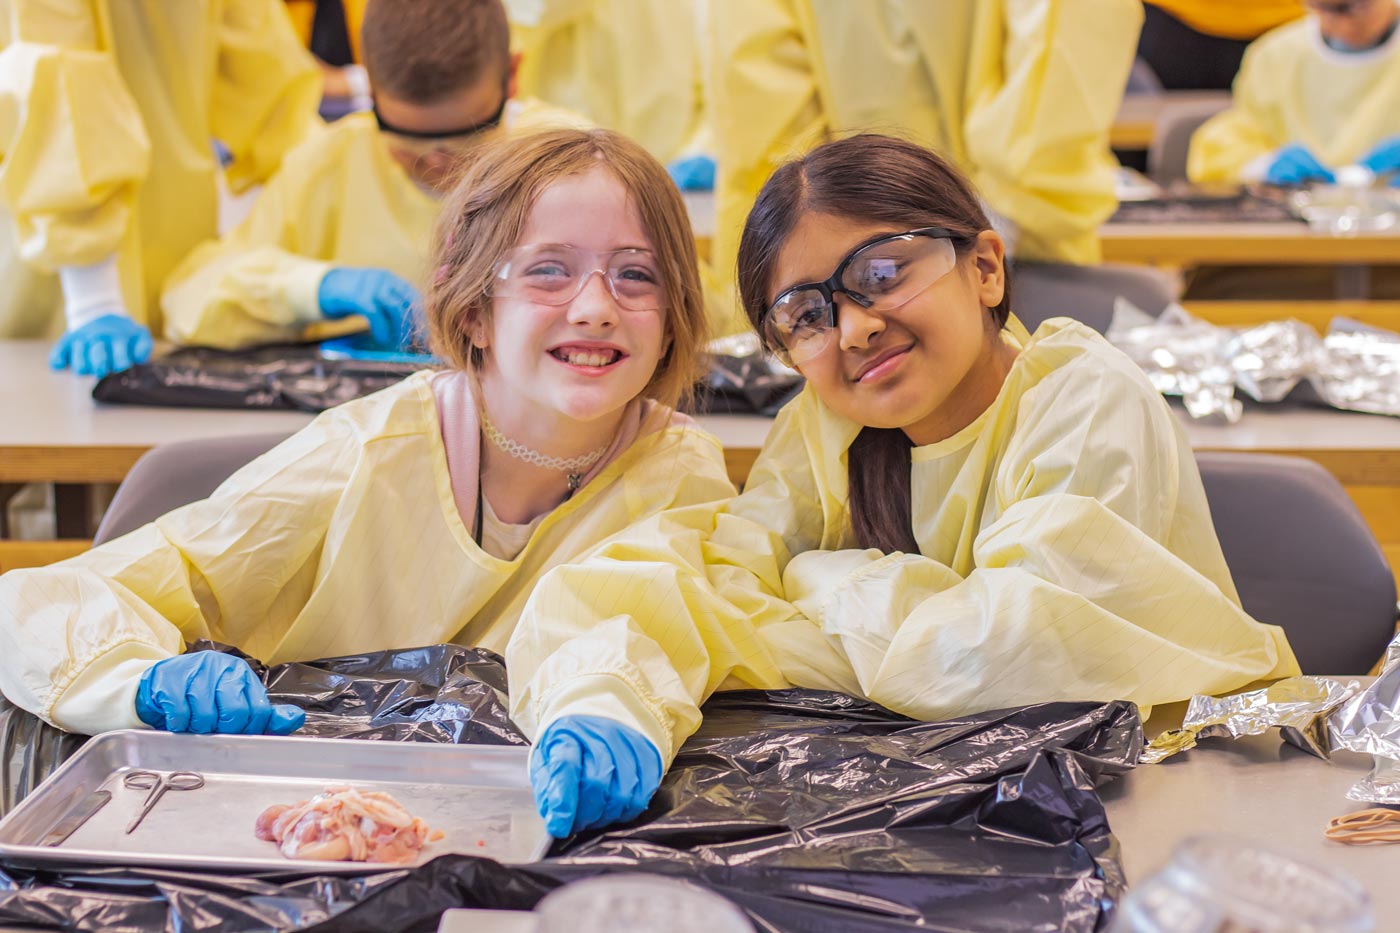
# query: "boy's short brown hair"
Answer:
x=423 y=50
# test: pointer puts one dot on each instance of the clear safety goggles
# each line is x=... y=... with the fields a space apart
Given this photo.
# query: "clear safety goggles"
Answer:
x=553 y=274
x=880 y=276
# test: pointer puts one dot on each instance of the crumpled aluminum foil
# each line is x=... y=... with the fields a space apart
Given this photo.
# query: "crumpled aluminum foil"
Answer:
x=1355 y=368
x=1359 y=369
x=1181 y=355
x=1298 y=706
x=1370 y=724
x=1318 y=714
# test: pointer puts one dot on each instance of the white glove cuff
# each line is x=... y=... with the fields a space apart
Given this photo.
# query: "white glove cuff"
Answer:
x=357 y=79
x=89 y=292
x=1255 y=169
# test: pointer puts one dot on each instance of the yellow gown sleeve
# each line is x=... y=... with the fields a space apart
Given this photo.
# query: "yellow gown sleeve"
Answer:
x=259 y=283
x=659 y=616
x=1229 y=141
x=76 y=636
x=1046 y=81
x=766 y=110
x=1082 y=587
x=73 y=146
x=266 y=91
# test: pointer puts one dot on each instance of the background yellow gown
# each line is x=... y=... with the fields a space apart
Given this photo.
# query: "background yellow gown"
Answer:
x=108 y=113
x=1019 y=94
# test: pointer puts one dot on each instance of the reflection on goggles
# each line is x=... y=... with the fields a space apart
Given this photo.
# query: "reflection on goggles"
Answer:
x=881 y=276
x=553 y=274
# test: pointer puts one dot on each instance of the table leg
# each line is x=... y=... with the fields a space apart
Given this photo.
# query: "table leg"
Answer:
x=72 y=510
x=7 y=492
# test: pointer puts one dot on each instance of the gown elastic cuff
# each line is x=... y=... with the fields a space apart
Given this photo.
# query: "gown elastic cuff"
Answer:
x=90 y=292
x=612 y=698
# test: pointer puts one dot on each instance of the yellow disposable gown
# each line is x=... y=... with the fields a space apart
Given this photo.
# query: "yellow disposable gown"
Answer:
x=629 y=65
x=1065 y=552
x=108 y=111
x=340 y=200
x=1020 y=94
x=344 y=538
x=1294 y=89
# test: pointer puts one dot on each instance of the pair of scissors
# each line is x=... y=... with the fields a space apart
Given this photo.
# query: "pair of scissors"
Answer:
x=158 y=783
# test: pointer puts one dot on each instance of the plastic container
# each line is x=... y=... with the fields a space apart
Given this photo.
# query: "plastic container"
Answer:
x=1217 y=883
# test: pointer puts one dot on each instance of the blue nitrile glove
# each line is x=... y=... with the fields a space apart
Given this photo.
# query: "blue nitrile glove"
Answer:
x=206 y=691
x=693 y=173
x=382 y=297
x=109 y=344
x=1385 y=159
x=1295 y=165
x=589 y=771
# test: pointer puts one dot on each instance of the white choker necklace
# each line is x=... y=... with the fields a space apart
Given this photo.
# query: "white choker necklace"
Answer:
x=573 y=466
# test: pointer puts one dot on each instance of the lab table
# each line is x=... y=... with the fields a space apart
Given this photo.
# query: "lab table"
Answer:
x=1257 y=789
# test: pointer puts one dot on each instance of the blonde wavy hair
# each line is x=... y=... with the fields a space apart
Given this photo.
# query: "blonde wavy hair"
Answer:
x=484 y=215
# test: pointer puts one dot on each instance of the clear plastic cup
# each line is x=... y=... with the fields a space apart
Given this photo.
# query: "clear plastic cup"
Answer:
x=1217 y=883
x=638 y=903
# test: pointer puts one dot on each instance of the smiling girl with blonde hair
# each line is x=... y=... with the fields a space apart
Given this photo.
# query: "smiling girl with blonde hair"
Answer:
x=567 y=304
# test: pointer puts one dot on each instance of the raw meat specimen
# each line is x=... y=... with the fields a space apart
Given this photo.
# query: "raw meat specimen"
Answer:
x=343 y=824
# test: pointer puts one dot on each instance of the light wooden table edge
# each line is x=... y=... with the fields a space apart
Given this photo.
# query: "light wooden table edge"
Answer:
x=1192 y=247
x=68 y=464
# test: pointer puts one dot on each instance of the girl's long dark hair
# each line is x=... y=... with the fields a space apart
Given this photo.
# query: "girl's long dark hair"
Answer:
x=873 y=179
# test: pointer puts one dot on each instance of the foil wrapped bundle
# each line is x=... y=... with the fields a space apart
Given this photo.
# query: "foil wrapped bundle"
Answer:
x=1359 y=369
x=1318 y=714
x=1355 y=368
x=1297 y=706
x=1181 y=355
x=1370 y=724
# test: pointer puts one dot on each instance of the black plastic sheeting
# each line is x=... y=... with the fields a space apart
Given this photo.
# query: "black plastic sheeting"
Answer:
x=812 y=811
x=293 y=377
x=296 y=378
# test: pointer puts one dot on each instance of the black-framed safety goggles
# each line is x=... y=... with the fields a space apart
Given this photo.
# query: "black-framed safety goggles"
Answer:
x=451 y=135
x=882 y=275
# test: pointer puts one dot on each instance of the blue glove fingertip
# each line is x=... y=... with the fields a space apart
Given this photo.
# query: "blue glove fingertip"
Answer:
x=286 y=719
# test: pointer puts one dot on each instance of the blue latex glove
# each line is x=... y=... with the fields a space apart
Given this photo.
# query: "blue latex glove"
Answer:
x=588 y=771
x=110 y=344
x=1385 y=159
x=1295 y=165
x=695 y=173
x=382 y=297
x=206 y=691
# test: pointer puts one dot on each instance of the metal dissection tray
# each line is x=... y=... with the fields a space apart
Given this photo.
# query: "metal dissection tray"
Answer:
x=479 y=796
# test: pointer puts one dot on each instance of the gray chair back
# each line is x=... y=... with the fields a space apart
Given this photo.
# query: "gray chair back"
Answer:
x=172 y=475
x=1041 y=290
x=1302 y=558
x=1171 y=137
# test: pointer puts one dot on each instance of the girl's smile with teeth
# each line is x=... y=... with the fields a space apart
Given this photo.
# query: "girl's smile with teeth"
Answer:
x=587 y=356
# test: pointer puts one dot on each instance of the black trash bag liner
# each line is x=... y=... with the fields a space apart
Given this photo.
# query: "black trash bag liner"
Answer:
x=294 y=377
x=440 y=693
x=811 y=810
x=743 y=383
x=281 y=377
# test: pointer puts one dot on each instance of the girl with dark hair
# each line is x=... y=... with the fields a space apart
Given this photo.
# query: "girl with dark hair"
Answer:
x=955 y=515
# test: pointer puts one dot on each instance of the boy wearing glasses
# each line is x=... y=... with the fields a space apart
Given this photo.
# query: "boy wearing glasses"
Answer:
x=342 y=230
x=1311 y=97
